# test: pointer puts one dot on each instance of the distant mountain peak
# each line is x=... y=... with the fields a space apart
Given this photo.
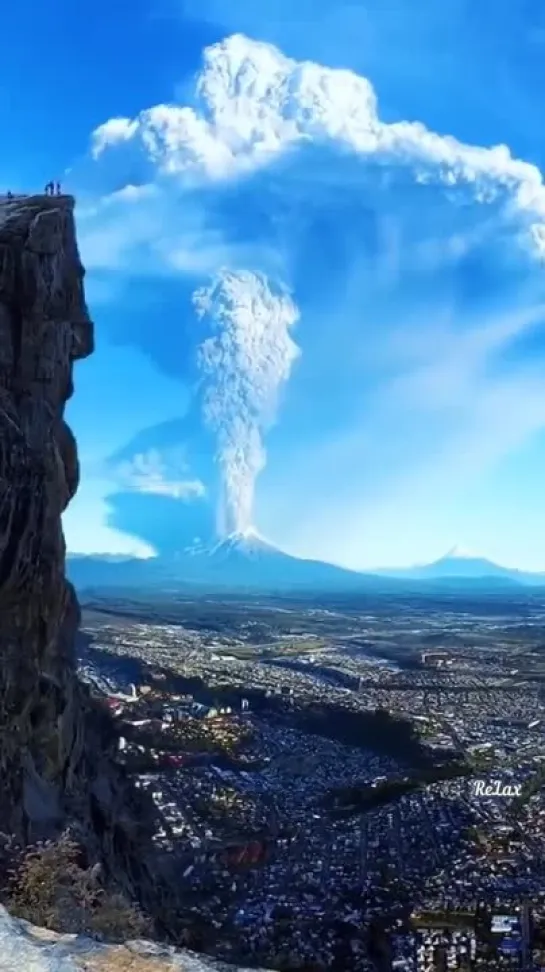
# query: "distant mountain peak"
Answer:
x=462 y=564
x=249 y=535
x=247 y=543
x=459 y=552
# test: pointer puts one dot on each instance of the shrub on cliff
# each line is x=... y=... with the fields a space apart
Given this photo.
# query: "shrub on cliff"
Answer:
x=50 y=888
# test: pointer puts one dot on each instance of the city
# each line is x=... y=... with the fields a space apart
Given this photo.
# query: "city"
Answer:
x=317 y=769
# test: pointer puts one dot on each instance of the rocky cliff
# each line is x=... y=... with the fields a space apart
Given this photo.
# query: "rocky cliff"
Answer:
x=56 y=765
x=44 y=328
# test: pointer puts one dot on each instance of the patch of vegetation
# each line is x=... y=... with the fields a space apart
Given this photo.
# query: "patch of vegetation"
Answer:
x=49 y=887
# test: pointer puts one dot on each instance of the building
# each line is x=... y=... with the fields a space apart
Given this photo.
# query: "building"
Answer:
x=435 y=659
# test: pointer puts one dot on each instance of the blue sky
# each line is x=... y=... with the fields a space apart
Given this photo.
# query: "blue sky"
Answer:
x=315 y=248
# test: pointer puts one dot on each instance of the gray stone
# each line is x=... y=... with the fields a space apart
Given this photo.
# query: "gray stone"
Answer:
x=25 y=947
x=45 y=234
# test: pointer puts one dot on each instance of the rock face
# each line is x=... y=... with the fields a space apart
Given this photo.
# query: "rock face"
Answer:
x=24 y=947
x=44 y=328
x=55 y=750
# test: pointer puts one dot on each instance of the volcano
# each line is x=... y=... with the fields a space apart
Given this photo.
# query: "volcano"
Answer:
x=238 y=561
x=461 y=564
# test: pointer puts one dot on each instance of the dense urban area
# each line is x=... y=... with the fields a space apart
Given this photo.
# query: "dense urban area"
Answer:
x=349 y=784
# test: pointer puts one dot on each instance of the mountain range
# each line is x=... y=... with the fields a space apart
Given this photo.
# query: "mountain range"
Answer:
x=247 y=561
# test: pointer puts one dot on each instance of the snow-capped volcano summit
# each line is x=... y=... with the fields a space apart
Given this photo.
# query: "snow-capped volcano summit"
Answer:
x=248 y=543
x=242 y=543
x=246 y=559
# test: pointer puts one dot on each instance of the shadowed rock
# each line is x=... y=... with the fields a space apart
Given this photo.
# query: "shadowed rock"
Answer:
x=56 y=750
x=44 y=328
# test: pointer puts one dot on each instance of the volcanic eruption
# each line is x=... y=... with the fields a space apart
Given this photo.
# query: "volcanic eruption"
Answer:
x=242 y=365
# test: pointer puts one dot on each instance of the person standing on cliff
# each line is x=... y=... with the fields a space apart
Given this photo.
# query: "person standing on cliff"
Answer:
x=57 y=188
x=49 y=189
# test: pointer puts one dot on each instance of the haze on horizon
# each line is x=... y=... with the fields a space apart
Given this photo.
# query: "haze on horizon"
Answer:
x=315 y=266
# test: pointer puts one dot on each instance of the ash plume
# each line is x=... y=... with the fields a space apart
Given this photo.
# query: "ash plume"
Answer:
x=243 y=363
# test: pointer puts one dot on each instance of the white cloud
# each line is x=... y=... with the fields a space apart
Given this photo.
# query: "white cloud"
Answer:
x=243 y=364
x=450 y=371
x=147 y=229
x=423 y=508
x=150 y=473
x=446 y=419
x=113 y=226
x=112 y=132
x=441 y=415
x=253 y=104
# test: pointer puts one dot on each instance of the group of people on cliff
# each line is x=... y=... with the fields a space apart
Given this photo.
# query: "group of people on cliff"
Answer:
x=51 y=189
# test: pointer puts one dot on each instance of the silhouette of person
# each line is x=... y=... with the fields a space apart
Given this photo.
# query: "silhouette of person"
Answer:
x=57 y=188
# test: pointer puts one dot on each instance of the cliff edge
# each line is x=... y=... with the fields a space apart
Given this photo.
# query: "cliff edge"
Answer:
x=44 y=328
x=56 y=748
